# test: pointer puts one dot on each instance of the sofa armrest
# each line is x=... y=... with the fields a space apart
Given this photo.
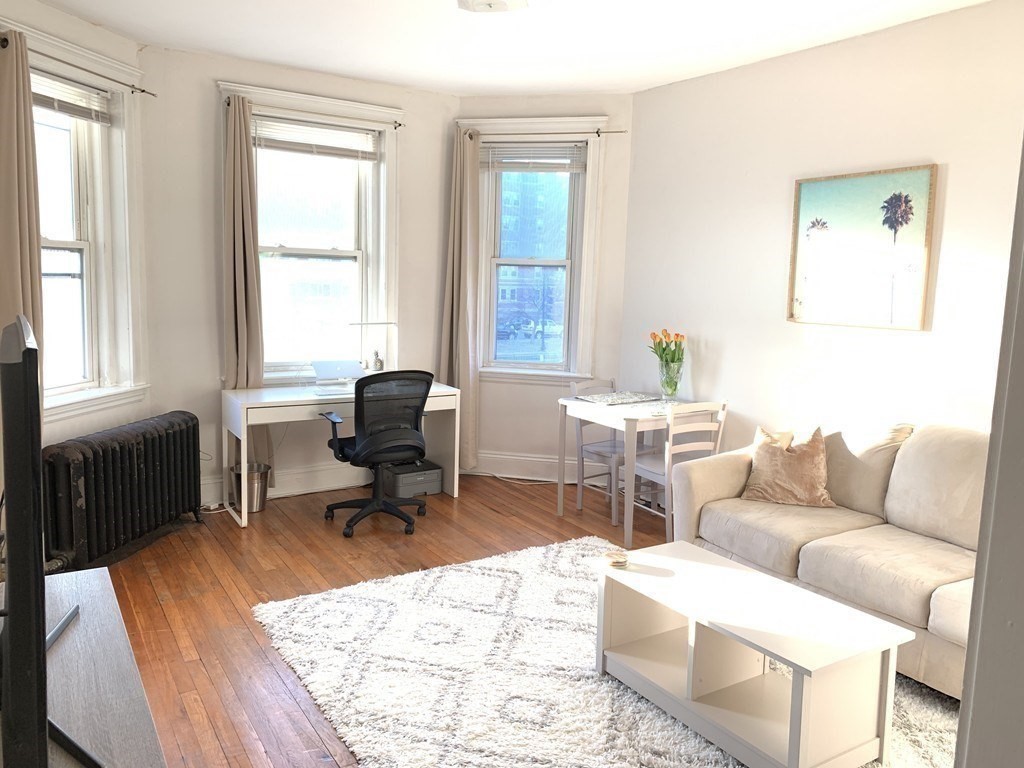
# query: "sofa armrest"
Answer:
x=695 y=483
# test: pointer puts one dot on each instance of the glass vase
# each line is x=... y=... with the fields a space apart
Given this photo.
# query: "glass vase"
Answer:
x=669 y=378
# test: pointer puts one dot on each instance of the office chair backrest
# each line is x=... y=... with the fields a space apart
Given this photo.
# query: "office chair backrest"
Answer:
x=392 y=403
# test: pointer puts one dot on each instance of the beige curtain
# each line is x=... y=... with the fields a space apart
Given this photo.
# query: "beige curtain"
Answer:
x=243 y=325
x=21 y=281
x=460 y=364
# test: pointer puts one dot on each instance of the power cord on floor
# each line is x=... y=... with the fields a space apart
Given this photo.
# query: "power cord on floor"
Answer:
x=522 y=481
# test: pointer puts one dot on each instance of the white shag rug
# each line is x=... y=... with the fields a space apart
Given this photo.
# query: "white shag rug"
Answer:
x=491 y=663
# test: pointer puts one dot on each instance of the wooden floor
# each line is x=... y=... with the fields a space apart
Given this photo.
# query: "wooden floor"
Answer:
x=220 y=694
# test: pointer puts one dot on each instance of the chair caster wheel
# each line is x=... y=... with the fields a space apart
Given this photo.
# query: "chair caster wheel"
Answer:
x=347 y=533
x=329 y=514
x=410 y=528
x=421 y=511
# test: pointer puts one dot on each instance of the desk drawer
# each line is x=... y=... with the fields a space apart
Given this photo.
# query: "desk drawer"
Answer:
x=306 y=412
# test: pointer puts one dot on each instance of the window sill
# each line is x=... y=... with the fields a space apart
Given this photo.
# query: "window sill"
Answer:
x=288 y=379
x=531 y=376
x=72 y=404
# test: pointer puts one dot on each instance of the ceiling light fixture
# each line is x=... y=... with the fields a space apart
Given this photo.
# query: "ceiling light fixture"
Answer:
x=491 y=6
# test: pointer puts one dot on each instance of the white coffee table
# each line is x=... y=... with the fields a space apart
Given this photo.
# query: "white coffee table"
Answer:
x=693 y=632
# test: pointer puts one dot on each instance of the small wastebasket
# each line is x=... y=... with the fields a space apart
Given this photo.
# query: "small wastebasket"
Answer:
x=258 y=477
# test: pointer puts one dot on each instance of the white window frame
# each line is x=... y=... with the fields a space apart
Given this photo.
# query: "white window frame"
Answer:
x=580 y=329
x=380 y=301
x=115 y=258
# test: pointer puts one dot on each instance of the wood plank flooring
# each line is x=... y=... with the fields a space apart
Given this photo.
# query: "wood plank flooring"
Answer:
x=220 y=694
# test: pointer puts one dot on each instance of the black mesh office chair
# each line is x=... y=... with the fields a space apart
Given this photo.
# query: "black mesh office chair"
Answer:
x=388 y=426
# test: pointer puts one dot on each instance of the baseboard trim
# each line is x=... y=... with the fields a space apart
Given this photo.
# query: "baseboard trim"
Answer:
x=523 y=465
x=332 y=476
x=293 y=482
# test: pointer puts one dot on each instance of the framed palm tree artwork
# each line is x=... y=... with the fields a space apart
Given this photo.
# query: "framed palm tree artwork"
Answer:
x=861 y=246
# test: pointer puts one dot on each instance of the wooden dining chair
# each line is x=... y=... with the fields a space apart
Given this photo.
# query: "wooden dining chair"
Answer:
x=692 y=430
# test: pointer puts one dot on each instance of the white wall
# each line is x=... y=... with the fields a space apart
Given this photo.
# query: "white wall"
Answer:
x=519 y=421
x=710 y=216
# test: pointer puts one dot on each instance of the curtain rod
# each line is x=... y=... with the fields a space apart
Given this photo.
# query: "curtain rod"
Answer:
x=597 y=131
x=227 y=103
x=134 y=88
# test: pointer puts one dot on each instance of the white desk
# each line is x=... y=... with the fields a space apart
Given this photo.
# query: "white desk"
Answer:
x=243 y=408
x=628 y=419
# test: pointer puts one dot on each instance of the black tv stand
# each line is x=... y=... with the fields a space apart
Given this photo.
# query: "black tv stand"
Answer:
x=57 y=734
x=94 y=686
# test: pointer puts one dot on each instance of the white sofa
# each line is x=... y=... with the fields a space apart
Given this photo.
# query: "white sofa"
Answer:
x=906 y=552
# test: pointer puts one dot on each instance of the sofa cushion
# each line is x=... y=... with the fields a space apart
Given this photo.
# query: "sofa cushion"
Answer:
x=859 y=469
x=771 y=535
x=937 y=483
x=789 y=473
x=885 y=568
x=951 y=611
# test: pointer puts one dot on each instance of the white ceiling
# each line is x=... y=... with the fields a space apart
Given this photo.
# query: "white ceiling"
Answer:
x=553 y=46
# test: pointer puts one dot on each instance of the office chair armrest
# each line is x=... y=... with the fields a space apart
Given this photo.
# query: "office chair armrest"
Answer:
x=335 y=420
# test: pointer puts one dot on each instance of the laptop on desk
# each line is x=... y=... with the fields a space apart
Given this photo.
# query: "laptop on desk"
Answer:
x=336 y=377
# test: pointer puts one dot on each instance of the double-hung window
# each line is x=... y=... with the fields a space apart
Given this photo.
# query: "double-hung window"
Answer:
x=538 y=218
x=323 y=270
x=81 y=168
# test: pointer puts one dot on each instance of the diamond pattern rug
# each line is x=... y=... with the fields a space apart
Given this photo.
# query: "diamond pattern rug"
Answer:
x=491 y=663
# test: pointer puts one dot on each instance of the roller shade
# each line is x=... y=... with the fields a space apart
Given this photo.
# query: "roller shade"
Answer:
x=315 y=138
x=551 y=158
x=70 y=98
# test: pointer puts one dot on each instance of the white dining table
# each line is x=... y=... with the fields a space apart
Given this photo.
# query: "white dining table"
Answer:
x=630 y=419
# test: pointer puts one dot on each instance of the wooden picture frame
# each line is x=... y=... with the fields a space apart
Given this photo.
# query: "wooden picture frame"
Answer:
x=861 y=248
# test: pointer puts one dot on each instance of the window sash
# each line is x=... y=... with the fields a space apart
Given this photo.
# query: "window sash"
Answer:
x=292 y=369
x=89 y=201
x=303 y=367
x=90 y=352
x=564 y=363
x=535 y=157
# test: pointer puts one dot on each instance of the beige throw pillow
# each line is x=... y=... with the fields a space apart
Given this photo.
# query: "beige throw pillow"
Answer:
x=786 y=472
x=858 y=474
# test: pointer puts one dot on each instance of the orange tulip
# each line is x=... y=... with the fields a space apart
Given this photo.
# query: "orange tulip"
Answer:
x=665 y=335
x=654 y=336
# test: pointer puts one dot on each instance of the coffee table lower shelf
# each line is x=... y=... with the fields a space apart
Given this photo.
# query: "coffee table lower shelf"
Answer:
x=751 y=716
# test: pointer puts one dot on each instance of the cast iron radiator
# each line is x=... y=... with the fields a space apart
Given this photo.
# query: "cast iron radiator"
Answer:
x=108 y=494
